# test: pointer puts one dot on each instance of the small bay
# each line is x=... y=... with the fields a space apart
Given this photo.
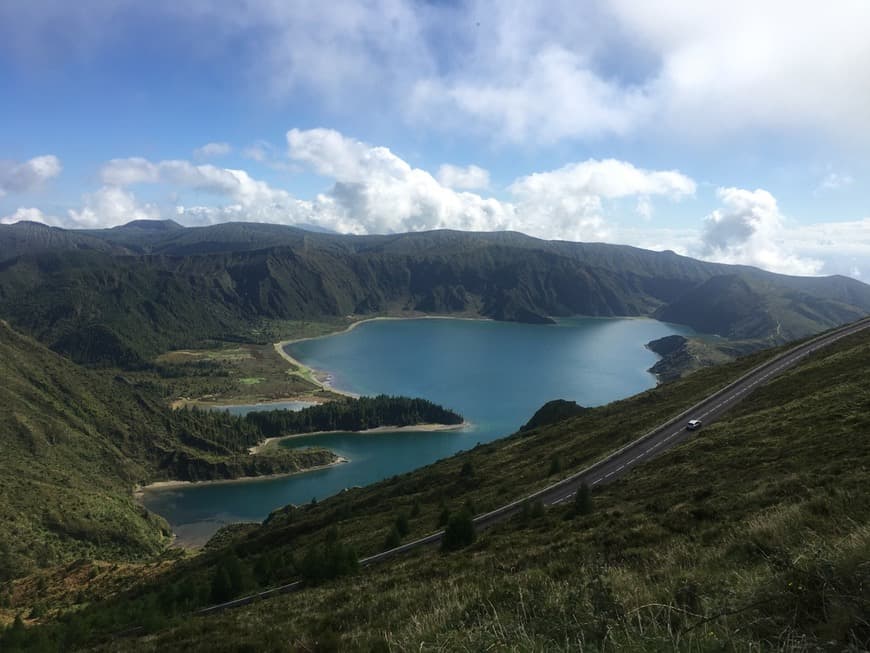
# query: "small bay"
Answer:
x=497 y=374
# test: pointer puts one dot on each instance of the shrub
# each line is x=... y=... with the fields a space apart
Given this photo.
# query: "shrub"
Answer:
x=393 y=539
x=459 y=533
x=583 y=500
x=402 y=526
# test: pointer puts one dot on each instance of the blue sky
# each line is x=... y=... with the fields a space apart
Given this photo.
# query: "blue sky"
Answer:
x=733 y=131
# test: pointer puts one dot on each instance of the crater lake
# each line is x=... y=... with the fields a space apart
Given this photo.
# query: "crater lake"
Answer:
x=496 y=374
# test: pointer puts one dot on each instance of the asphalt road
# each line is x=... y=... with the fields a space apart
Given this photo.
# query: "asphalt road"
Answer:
x=617 y=464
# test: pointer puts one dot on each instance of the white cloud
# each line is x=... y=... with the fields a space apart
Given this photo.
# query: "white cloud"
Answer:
x=29 y=214
x=261 y=151
x=835 y=181
x=110 y=206
x=375 y=191
x=523 y=71
x=733 y=65
x=644 y=207
x=844 y=246
x=471 y=177
x=749 y=229
x=551 y=95
x=212 y=150
x=127 y=172
x=609 y=178
x=18 y=177
x=236 y=184
x=541 y=72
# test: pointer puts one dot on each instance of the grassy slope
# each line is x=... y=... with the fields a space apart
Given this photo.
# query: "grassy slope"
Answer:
x=72 y=445
x=755 y=531
x=65 y=483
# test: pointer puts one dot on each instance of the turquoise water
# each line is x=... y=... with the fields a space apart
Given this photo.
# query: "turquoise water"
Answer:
x=496 y=374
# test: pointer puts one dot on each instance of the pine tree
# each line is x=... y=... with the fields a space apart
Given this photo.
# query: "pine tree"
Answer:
x=583 y=500
x=459 y=532
x=402 y=526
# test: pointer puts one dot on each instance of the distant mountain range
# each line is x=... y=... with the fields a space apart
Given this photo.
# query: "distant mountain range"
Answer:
x=118 y=296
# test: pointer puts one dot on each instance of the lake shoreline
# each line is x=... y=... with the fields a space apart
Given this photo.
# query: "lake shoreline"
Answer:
x=418 y=428
x=139 y=491
x=319 y=376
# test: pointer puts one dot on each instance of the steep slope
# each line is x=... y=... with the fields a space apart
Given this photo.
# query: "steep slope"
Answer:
x=65 y=476
x=72 y=445
x=749 y=305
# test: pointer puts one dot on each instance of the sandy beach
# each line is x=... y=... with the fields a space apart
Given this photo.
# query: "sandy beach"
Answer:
x=378 y=429
x=139 y=490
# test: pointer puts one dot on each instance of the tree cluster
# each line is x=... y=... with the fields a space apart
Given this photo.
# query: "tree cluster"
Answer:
x=353 y=414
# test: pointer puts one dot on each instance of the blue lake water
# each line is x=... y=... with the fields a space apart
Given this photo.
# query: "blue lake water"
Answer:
x=497 y=374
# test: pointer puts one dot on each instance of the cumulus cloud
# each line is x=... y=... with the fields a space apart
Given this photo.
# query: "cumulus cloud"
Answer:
x=212 y=150
x=749 y=229
x=468 y=178
x=376 y=191
x=236 y=184
x=30 y=215
x=18 y=177
x=111 y=206
x=609 y=178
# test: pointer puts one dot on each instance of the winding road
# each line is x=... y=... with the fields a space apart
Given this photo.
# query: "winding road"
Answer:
x=618 y=463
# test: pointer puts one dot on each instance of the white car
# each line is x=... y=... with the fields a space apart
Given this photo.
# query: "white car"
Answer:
x=693 y=425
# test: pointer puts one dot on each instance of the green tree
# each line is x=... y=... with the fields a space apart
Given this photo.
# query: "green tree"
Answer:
x=459 y=532
x=443 y=517
x=402 y=526
x=583 y=500
x=231 y=577
x=393 y=539
x=15 y=636
x=331 y=560
x=221 y=586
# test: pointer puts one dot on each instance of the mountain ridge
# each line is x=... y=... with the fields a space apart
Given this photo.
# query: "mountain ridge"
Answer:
x=134 y=292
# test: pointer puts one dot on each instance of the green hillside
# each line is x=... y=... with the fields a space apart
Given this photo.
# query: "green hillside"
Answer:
x=121 y=296
x=73 y=444
x=752 y=534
